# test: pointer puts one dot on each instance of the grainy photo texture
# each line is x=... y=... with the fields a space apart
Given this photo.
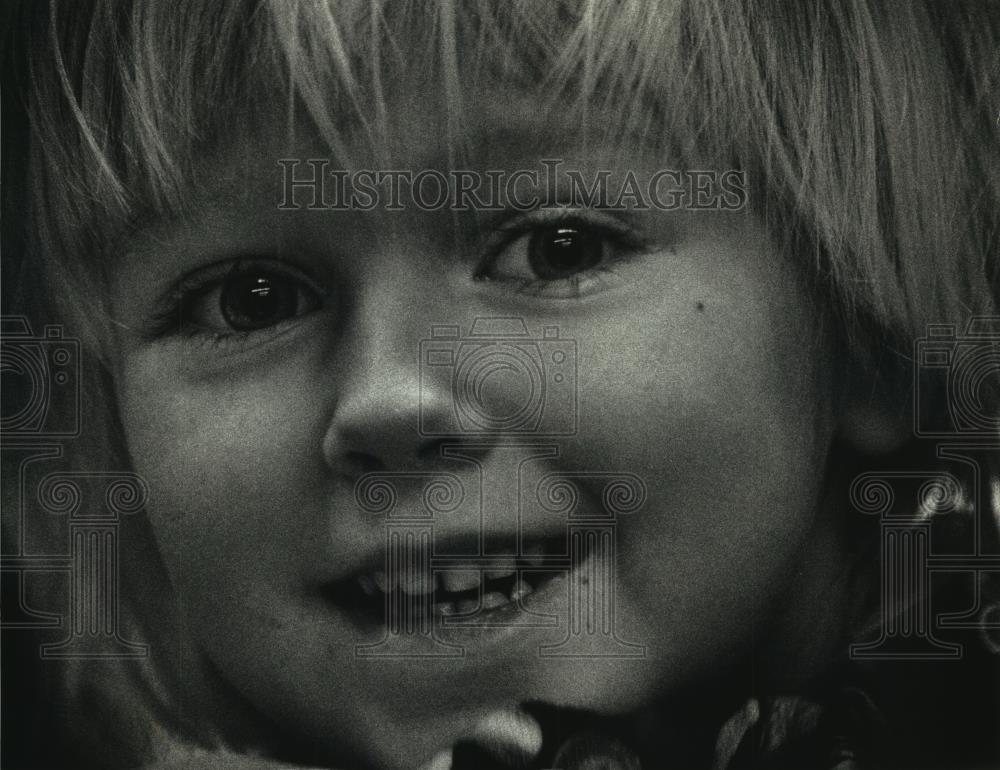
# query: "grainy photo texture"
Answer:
x=500 y=384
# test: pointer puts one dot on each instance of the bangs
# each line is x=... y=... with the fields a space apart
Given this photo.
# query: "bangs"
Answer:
x=137 y=93
x=867 y=141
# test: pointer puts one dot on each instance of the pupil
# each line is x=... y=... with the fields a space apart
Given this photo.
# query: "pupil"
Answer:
x=560 y=252
x=256 y=301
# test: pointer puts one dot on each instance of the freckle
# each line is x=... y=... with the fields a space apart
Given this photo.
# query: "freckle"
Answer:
x=700 y=305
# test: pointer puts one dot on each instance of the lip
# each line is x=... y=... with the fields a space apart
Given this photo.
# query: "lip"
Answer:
x=533 y=620
x=518 y=628
x=541 y=611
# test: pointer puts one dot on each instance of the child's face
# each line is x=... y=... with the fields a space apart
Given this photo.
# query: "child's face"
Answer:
x=698 y=371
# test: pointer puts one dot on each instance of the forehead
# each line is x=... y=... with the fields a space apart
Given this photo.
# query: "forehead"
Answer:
x=367 y=83
x=498 y=123
x=501 y=83
x=504 y=131
x=505 y=126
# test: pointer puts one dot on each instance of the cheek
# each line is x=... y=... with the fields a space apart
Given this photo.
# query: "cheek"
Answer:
x=229 y=464
x=721 y=412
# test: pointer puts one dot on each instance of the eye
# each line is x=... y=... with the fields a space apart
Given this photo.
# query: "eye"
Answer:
x=240 y=298
x=560 y=254
x=257 y=299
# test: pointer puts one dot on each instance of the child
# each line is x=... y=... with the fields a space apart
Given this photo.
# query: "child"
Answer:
x=252 y=217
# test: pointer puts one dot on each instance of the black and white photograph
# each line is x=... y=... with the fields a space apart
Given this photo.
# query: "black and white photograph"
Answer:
x=500 y=384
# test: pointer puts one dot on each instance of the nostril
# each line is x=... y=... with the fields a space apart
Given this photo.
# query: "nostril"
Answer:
x=355 y=464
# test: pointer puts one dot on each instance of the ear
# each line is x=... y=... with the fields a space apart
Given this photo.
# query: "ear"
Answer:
x=876 y=415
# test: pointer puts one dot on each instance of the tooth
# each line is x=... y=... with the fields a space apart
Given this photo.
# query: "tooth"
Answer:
x=367 y=585
x=382 y=581
x=534 y=554
x=442 y=761
x=493 y=599
x=460 y=579
x=520 y=589
x=417 y=582
x=466 y=606
x=504 y=569
x=444 y=608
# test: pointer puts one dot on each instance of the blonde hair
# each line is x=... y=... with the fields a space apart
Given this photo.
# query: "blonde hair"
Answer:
x=871 y=129
x=868 y=131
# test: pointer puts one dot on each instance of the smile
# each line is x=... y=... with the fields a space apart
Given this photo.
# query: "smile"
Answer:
x=455 y=585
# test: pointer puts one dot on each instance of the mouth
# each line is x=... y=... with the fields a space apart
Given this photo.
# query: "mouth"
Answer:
x=448 y=588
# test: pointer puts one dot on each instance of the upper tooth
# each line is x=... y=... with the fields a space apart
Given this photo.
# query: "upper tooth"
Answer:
x=460 y=579
x=504 y=569
x=367 y=584
x=534 y=554
x=383 y=581
x=417 y=582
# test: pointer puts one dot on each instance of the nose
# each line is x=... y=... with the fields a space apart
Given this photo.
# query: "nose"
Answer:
x=386 y=404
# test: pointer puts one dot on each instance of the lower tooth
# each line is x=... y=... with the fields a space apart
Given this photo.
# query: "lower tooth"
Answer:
x=465 y=607
x=444 y=608
x=493 y=599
